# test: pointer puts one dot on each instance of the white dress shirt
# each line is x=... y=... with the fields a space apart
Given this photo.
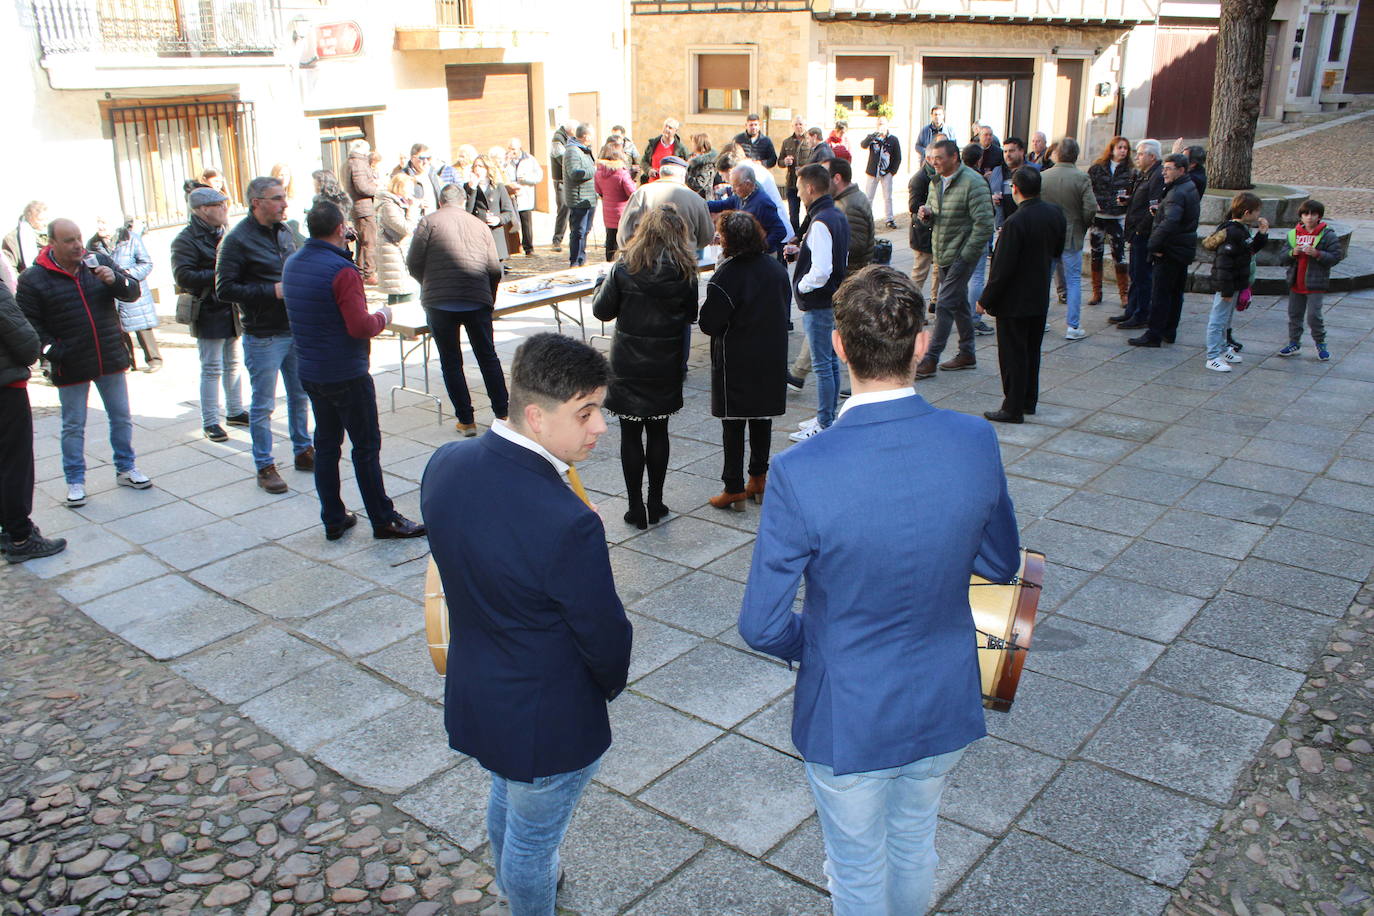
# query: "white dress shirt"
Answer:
x=876 y=397
x=819 y=242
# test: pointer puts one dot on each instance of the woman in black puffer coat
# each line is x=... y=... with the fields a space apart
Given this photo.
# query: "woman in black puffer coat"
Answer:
x=1231 y=273
x=652 y=295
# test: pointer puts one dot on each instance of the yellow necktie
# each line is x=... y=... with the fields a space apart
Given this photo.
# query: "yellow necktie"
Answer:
x=576 y=483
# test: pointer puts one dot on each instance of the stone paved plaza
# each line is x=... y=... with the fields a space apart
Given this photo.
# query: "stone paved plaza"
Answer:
x=1203 y=533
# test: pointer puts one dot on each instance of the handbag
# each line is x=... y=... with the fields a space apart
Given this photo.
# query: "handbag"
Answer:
x=1243 y=299
x=882 y=252
x=185 y=308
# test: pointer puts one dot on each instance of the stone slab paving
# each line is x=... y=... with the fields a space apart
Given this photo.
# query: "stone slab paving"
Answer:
x=1204 y=534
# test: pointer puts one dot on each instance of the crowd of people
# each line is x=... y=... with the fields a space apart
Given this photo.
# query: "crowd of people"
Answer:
x=541 y=640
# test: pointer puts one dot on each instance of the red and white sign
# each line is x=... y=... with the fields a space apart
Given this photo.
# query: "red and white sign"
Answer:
x=338 y=39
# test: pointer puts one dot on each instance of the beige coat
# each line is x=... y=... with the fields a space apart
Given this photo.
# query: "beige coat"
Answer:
x=393 y=243
x=655 y=194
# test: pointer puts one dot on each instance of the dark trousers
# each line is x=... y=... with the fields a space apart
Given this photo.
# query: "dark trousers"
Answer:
x=610 y=243
x=147 y=342
x=527 y=231
x=760 y=443
x=1166 y=299
x=1018 y=356
x=366 y=254
x=794 y=209
x=560 y=219
x=1142 y=274
x=348 y=407
x=644 y=446
x=16 y=463
x=443 y=327
x=579 y=227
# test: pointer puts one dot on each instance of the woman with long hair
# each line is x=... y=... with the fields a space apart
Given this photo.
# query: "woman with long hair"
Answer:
x=614 y=186
x=745 y=314
x=651 y=293
x=701 y=168
x=489 y=201
x=1111 y=174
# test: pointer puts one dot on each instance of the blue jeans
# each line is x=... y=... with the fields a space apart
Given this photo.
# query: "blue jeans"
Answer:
x=348 y=407
x=114 y=395
x=818 y=324
x=265 y=357
x=579 y=227
x=1218 y=323
x=976 y=281
x=525 y=823
x=879 y=830
x=1072 y=262
x=219 y=367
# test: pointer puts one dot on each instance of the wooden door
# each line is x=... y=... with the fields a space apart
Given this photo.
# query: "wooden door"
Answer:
x=585 y=108
x=1181 y=92
x=1068 y=98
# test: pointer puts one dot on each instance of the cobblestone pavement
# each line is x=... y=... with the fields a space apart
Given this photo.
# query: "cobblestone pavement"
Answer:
x=1299 y=838
x=1205 y=535
x=123 y=788
x=1329 y=162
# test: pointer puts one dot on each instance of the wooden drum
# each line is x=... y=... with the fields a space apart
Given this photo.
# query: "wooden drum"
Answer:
x=1004 y=616
x=436 y=618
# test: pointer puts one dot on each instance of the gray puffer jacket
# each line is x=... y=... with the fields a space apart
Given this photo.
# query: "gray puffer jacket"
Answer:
x=18 y=341
x=1317 y=276
x=392 y=244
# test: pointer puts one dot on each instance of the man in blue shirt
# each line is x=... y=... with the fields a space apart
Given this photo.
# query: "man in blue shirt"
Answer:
x=886 y=514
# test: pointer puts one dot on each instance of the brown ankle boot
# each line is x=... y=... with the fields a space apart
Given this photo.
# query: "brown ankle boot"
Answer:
x=1097 y=285
x=754 y=488
x=733 y=501
x=1123 y=283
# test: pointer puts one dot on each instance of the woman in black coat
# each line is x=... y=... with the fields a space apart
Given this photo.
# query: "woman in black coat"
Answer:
x=745 y=314
x=652 y=295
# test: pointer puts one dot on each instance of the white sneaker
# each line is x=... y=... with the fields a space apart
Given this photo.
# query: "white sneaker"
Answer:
x=1231 y=356
x=803 y=434
x=133 y=478
x=1073 y=333
x=76 y=495
x=1218 y=365
x=807 y=424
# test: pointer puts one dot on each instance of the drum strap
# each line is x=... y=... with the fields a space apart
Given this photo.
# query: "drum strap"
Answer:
x=1000 y=644
x=1015 y=580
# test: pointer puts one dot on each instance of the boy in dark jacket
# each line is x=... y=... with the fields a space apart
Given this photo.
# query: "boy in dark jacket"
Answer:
x=1231 y=274
x=1312 y=251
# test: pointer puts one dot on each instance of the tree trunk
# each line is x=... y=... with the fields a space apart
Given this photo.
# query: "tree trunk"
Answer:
x=1236 y=91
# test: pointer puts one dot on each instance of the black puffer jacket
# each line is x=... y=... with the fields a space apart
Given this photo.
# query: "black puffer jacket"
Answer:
x=453 y=256
x=1231 y=266
x=1174 y=235
x=652 y=310
x=917 y=191
x=193 y=267
x=248 y=270
x=745 y=312
x=1147 y=186
x=1107 y=184
x=77 y=315
x=18 y=341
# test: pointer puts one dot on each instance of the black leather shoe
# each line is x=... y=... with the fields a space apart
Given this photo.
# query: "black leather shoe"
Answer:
x=215 y=433
x=1131 y=325
x=1144 y=340
x=1169 y=340
x=399 y=527
x=1116 y=319
x=1001 y=416
x=238 y=419
x=1029 y=411
x=334 y=532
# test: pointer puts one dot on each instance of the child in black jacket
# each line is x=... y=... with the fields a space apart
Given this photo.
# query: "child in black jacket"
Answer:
x=1234 y=249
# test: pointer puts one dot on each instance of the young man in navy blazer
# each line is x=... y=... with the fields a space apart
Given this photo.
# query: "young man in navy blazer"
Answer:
x=886 y=514
x=539 y=639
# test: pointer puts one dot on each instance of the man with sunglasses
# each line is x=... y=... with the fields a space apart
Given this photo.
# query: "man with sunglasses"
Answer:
x=331 y=338
x=248 y=273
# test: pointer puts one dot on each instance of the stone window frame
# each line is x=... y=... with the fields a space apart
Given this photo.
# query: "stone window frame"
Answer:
x=711 y=116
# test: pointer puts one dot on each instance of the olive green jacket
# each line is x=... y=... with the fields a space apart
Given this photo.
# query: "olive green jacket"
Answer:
x=963 y=219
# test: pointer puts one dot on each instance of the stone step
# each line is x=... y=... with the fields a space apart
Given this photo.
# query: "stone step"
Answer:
x=1356 y=271
x=1272 y=253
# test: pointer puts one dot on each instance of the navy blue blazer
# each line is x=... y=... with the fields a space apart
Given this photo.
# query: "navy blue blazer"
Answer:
x=540 y=640
x=885 y=513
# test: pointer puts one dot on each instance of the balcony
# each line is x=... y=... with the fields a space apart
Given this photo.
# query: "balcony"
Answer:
x=156 y=28
x=1121 y=13
x=456 y=26
x=661 y=7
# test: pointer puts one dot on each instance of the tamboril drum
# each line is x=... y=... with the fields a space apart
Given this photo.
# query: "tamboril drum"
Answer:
x=1004 y=616
x=436 y=618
